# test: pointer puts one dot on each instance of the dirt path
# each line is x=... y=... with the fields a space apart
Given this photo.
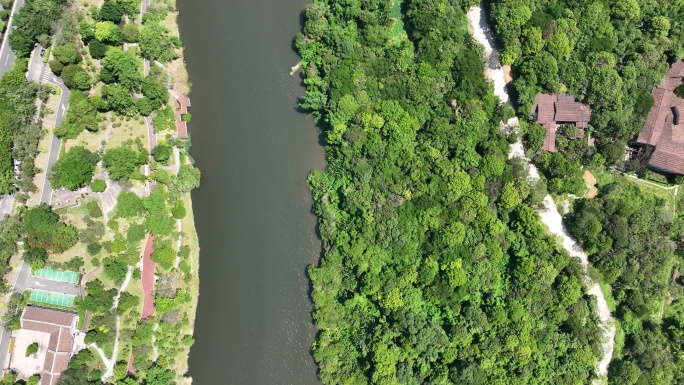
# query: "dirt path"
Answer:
x=123 y=288
x=549 y=214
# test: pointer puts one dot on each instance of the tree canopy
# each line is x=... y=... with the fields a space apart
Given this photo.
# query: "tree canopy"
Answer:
x=435 y=267
x=74 y=169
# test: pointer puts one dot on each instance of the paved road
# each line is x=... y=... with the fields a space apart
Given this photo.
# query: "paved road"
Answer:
x=39 y=72
x=6 y=55
x=6 y=203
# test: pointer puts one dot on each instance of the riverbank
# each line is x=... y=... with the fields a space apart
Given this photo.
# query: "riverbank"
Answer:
x=549 y=214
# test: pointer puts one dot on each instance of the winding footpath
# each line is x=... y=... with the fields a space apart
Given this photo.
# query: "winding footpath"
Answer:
x=549 y=214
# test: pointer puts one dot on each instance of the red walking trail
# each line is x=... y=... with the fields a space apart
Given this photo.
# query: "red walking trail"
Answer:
x=148 y=279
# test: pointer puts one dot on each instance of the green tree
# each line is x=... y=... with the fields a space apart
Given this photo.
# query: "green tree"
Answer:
x=111 y=11
x=98 y=185
x=108 y=32
x=187 y=180
x=121 y=67
x=97 y=49
x=76 y=77
x=129 y=205
x=163 y=254
x=42 y=229
x=121 y=162
x=625 y=9
x=161 y=153
x=74 y=169
x=130 y=7
x=559 y=45
x=164 y=119
x=131 y=33
x=532 y=41
x=67 y=53
x=178 y=210
x=155 y=42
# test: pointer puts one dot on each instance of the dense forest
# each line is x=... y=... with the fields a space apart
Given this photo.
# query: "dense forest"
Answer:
x=609 y=54
x=436 y=268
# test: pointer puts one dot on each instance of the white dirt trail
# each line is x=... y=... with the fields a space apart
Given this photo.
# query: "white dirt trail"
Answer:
x=549 y=214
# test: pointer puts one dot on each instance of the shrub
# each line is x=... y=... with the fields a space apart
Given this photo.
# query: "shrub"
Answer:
x=56 y=66
x=32 y=349
x=94 y=210
x=178 y=211
x=74 y=264
x=98 y=185
x=94 y=248
x=186 y=117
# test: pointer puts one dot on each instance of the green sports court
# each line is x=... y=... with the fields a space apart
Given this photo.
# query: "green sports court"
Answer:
x=50 y=298
x=57 y=275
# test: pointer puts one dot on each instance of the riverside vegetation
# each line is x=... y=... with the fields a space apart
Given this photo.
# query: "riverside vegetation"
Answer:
x=105 y=154
x=610 y=54
x=436 y=267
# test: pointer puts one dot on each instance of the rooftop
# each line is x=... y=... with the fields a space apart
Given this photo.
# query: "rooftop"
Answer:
x=664 y=128
x=61 y=326
x=553 y=109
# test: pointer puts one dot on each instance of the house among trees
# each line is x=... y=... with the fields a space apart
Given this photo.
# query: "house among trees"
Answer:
x=551 y=110
x=62 y=328
x=663 y=134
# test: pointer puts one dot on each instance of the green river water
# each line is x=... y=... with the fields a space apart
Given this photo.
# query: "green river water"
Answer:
x=253 y=210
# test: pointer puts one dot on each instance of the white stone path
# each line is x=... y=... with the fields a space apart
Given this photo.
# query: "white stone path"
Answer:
x=549 y=215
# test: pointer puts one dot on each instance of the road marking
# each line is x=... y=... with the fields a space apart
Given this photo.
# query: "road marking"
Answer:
x=6 y=60
x=37 y=283
x=63 y=110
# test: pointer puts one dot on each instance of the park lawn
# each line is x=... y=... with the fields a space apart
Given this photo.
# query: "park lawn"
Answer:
x=124 y=128
x=89 y=140
x=74 y=216
x=43 y=150
x=180 y=363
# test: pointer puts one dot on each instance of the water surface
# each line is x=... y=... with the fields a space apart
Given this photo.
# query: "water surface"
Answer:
x=253 y=210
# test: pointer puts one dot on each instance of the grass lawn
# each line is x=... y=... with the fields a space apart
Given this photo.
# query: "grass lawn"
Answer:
x=74 y=216
x=126 y=129
x=398 y=30
x=87 y=139
x=667 y=193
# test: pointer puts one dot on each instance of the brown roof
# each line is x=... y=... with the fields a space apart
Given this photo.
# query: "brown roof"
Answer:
x=544 y=108
x=551 y=110
x=550 y=140
x=47 y=316
x=181 y=126
x=61 y=325
x=660 y=129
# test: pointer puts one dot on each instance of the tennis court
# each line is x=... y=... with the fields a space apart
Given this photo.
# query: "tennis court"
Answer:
x=57 y=275
x=51 y=298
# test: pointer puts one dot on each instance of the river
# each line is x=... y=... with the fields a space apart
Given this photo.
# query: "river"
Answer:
x=253 y=210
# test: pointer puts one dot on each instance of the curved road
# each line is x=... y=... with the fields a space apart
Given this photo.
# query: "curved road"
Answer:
x=37 y=71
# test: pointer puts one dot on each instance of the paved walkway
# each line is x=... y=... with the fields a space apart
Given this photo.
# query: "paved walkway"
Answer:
x=148 y=279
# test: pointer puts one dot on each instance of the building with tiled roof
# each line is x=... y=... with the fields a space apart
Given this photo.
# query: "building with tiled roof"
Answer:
x=62 y=328
x=550 y=110
x=663 y=134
